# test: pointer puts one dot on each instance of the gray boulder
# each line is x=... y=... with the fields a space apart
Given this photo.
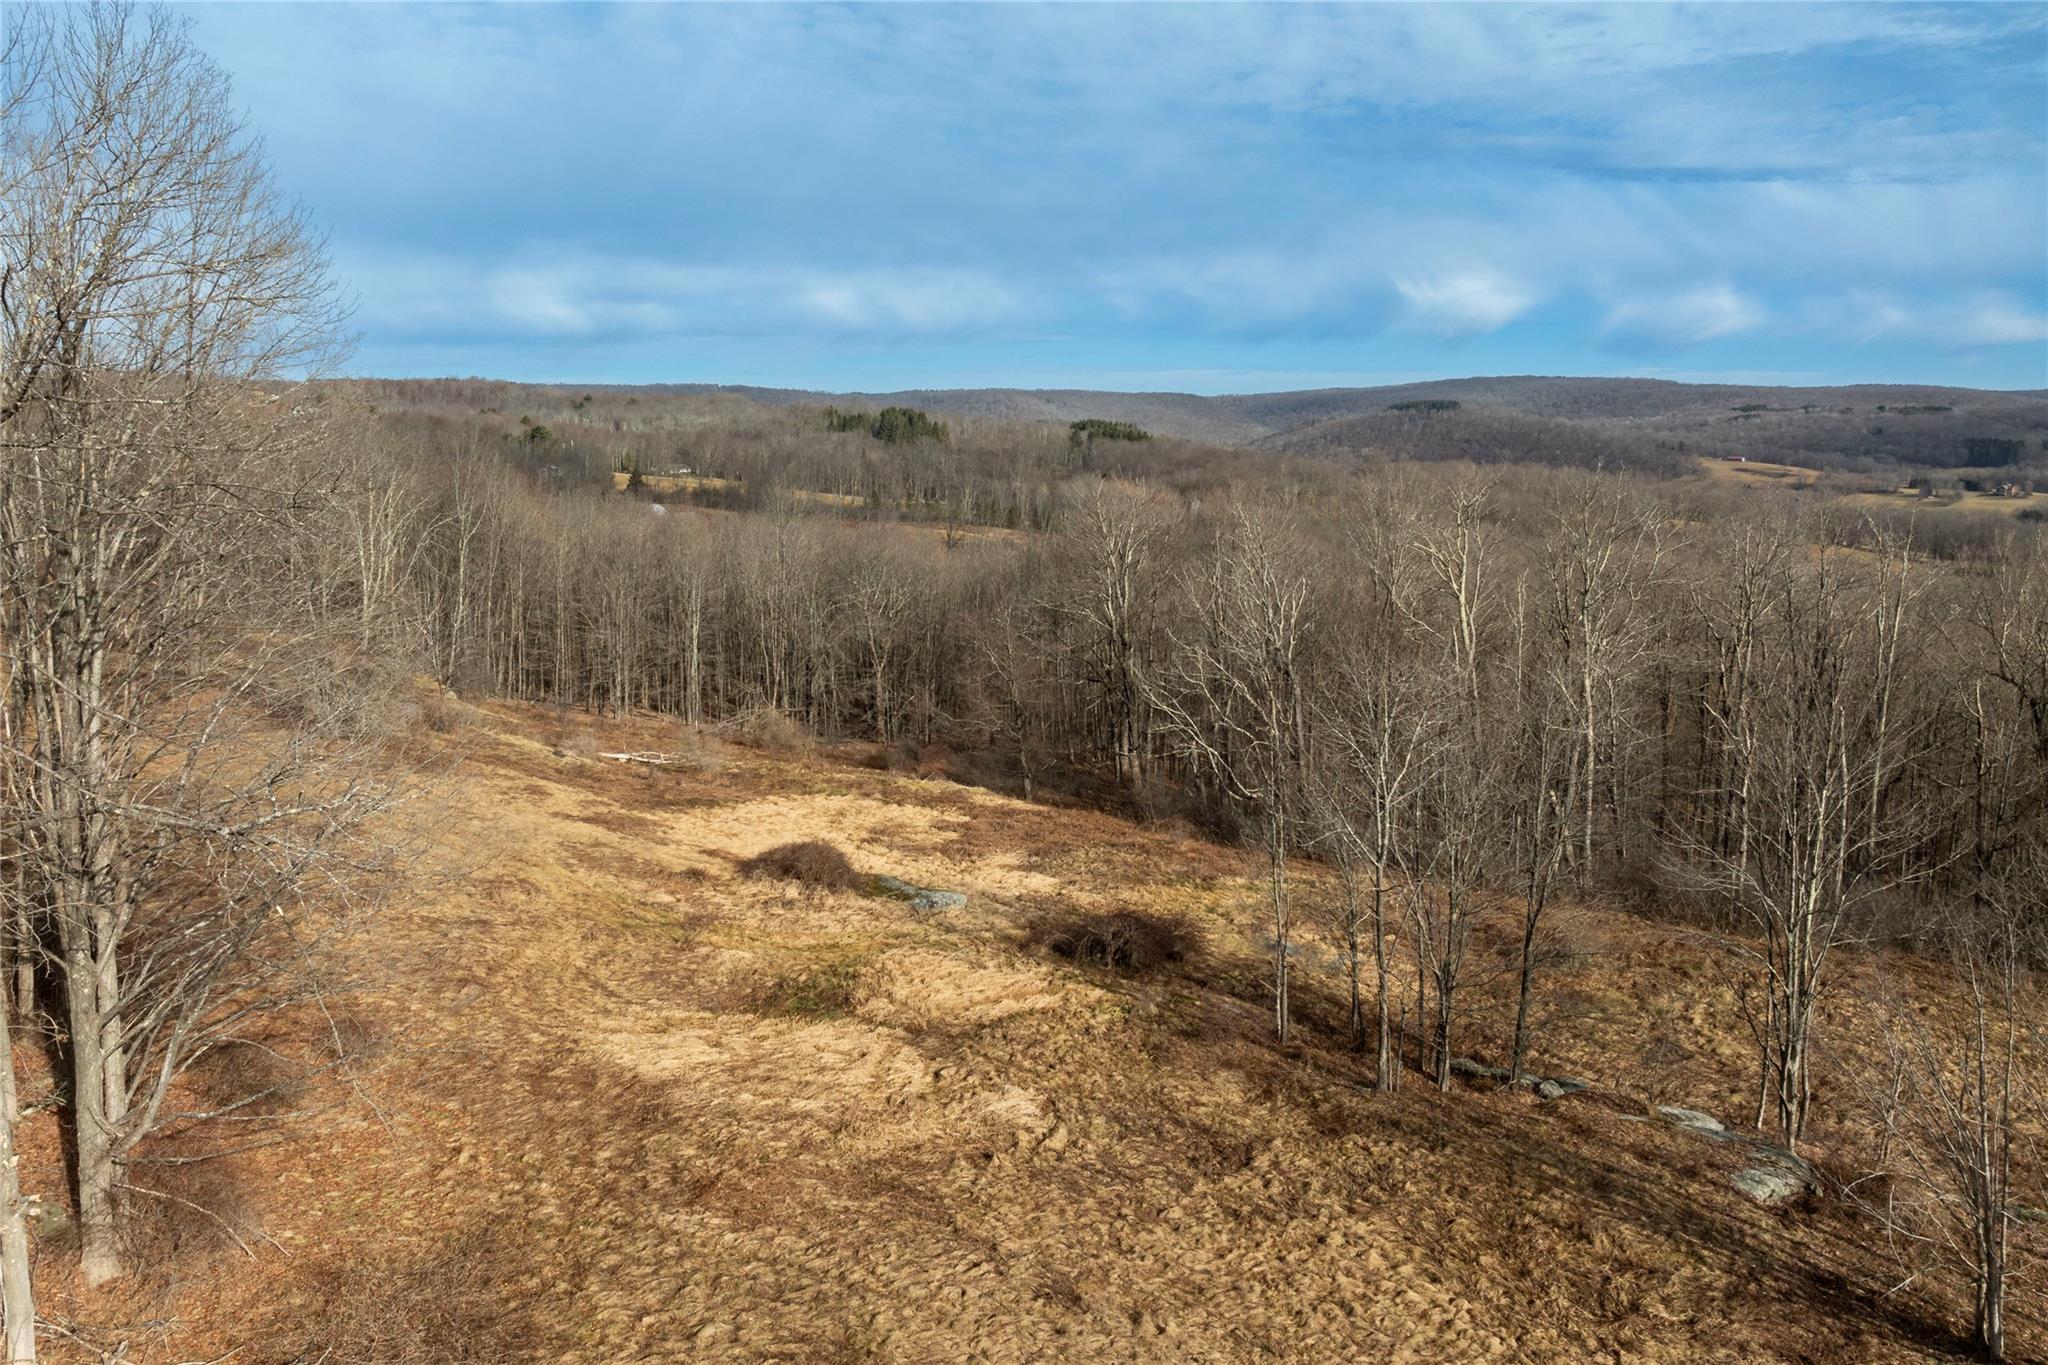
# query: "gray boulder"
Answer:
x=1775 y=1176
x=1693 y=1121
x=1769 y=1185
x=919 y=897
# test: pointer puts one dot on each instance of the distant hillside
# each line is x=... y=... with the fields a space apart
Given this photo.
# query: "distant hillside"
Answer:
x=1522 y=417
x=1874 y=429
x=1187 y=415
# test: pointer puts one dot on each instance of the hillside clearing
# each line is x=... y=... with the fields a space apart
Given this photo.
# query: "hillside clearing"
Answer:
x=630 y=1105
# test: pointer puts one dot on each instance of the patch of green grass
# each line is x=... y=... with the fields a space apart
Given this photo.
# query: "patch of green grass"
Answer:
x=824 y=991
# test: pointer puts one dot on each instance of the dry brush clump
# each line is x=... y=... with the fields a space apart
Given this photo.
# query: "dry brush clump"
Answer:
x=445 y=1304
x=768 y=728
x=578 y=743
x=811 y=863
x=1127 y=942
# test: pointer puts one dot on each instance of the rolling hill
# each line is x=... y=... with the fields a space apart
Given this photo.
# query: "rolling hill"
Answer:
x=1517 y=417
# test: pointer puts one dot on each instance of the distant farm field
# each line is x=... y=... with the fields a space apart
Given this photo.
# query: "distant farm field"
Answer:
x=1967 y=502
x=694 y=483
x=1760 y=473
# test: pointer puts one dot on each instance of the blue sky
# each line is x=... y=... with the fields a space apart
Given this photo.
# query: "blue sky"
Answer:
x=1215 y=198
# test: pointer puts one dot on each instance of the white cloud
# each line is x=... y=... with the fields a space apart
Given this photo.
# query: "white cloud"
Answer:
x=1707 y=313
x=1997 y=320
x=571 y=294
x=1242 y=287
x=907 y=300
x=1464 y=303
x=1985 y=318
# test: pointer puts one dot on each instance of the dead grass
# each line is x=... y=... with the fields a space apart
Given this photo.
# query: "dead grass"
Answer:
x=443 y=1304
x=1760 y=473
x=636 y=1107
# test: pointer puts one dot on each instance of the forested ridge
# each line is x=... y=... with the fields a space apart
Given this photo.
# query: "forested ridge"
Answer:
x=1861 y=428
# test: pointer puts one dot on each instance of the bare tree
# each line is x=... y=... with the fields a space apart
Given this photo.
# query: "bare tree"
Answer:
x=1806 y=860
x=1114 y=534
x=1461 y=842
x=1961 y=1155
x=1538 y=829
x=874 y=601
x=157 y=298
x=1571 y=683
x=17 y=1294
x=1377 y=732
x=1378 y=738
x=1017 y=647
x=23 y=49
x=1458 y=794
x=1235 y=702
x=1603 y=560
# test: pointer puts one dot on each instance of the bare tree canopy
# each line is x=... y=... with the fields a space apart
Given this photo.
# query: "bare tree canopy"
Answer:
x=183 y=762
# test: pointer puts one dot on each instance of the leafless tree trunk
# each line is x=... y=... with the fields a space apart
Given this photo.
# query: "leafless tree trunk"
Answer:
x=17 y=1295
x=1377 y=736
x=1590 y=643
x=1236 y=707
x=1964 y=1154
x=1803 y=771
x=155 y=292
x=1458 y=793
x=1604 y=558
x=1115 y=534
x=876 y=601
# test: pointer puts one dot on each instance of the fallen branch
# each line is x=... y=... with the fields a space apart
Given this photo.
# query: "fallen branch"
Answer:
x=657 y=760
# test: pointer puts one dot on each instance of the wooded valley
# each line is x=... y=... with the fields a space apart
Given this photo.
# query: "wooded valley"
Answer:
x=1437 y=667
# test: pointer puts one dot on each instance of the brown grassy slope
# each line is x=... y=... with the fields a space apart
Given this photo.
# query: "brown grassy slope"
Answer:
x=634 y=1106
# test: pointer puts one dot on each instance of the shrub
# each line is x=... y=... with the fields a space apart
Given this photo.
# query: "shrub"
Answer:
x=1126 y=941
x=441 y=714
x=811 y=863
x=767 y=728
x=693 y=752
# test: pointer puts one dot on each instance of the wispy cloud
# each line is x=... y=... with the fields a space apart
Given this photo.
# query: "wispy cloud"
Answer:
x=1707 y=313
x=1998 y=320
x=1466 y=302
x=571 y=294
x=1377 y=187
x=1985 y=318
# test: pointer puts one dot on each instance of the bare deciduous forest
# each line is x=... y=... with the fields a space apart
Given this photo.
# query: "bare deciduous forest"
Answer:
x=1375 y=786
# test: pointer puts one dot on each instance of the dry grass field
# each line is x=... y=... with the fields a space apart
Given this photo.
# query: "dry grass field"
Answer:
x=1760 y=474
x=1966 y=502
x=666 y=484
x=619 y=1102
